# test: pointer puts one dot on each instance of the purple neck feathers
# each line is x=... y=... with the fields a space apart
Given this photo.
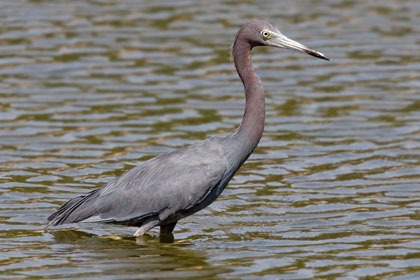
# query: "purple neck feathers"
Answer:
x=252 y=125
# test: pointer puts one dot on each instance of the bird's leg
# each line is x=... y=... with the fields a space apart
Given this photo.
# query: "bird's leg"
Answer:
x=168 y=228
x=146 y=227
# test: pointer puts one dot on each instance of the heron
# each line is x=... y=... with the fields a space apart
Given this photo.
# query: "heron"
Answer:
x=172 y=186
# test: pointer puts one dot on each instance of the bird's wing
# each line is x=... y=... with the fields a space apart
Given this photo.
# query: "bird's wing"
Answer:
x=161 y=186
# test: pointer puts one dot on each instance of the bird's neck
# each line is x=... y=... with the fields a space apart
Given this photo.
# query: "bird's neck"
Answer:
x=252 y=125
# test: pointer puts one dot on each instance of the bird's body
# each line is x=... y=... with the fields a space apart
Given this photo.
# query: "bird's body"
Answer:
x=178 y=184
x=164 y=189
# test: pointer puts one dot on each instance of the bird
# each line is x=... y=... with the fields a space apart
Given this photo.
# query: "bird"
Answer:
x=177 y=184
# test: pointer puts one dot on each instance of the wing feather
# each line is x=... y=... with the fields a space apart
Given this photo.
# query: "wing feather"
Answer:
x=162 y=186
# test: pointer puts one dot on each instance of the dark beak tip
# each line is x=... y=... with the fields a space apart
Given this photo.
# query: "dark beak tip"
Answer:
x=317 y=54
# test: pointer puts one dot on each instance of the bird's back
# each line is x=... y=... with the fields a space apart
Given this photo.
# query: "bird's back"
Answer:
x=166 y=187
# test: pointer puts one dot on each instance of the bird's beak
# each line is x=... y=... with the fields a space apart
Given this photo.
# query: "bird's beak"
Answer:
x=281 y=41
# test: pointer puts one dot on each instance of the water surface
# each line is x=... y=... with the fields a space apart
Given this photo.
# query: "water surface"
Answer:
x=90 y=88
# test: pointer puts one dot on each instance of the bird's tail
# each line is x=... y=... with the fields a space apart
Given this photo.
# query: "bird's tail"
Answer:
x=62 y=214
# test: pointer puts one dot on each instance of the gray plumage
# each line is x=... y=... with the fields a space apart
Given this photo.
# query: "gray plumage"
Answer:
x=162 y=190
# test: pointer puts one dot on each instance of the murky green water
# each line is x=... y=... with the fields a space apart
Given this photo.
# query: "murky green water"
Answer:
x=89 y=88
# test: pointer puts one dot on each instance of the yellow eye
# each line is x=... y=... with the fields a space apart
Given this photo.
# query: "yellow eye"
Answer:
x=266 y=35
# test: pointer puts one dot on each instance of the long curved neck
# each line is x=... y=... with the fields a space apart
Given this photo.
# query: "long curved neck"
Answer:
x=252 y=125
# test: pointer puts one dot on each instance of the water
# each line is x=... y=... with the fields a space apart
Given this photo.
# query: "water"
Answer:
x=90 y=88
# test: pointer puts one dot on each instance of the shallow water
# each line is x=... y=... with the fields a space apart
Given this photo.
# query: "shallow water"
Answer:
x=90 y=88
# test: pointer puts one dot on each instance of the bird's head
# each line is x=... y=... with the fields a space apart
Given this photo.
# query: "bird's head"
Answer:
x=262 y=33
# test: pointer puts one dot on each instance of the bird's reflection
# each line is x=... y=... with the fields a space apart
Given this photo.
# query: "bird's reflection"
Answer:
x=145 y=255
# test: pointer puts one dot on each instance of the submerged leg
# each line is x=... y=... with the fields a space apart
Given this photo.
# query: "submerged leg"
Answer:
x=168 y=228
x=146 y=227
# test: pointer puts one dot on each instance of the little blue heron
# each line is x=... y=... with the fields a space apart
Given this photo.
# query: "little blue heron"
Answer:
x=171 y=186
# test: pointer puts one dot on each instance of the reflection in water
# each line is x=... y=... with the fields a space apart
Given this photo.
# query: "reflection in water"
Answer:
x=89 y=88
x=141 y=257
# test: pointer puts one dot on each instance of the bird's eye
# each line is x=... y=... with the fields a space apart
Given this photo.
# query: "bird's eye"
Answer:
x=266 y=34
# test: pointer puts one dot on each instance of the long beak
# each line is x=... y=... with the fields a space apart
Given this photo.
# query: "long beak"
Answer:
x=281 y=41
